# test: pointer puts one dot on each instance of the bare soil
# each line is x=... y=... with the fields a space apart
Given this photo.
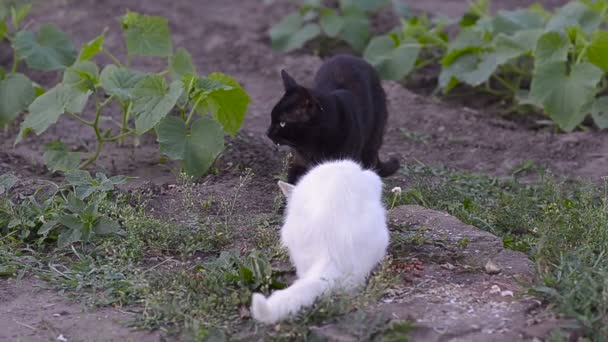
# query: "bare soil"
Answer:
x=231 y=36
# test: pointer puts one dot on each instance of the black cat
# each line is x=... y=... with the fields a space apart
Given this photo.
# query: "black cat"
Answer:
x=342 y=116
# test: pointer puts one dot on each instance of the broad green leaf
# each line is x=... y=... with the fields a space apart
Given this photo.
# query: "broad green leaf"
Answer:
x=300 y=37
x=120 y=81
x=47 y=108
x=46 y=227
x=575 y=14
x=73 y=233
x=392 y=62
x=181 y=64
x=597 y=51
x=75 y=204
x=312 y=3
x=402 y=10
x=147 y=35
x=92 y=48
x=551 y=47
x=197 y=147
x=171 y=134
x=599 y=112
x=105 y=226
x=16 y=93
x=3 y=29
x=19 y=14
x=78 y=177
x=83 y=75
x=355 y=30
x=50 y=50
x=7 y=181
x=469 y=40
x=521 y=43
x=292 y=33
x=85 y=185
x=285 y=28
x=246 y=274
x=228 y=102
x=58 y=158
x=564 y=94
x=477 y=10
x=472 y=69
x=204 y=144
x=153 y=100
x=366 y=5
x=331 y=22
x=511 y=22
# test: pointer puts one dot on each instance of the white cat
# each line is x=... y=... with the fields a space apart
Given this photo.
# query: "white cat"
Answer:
x=335 y=231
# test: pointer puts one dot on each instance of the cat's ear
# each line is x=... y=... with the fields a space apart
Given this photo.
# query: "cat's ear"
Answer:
x=286 y=188
x=288 y=81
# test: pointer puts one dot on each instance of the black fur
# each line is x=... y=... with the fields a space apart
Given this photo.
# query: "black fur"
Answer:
x=342 y=116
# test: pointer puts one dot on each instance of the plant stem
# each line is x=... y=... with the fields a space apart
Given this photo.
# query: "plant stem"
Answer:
x=100 y=140
x=125 y=122
x=112 y=57
x=94 y=157
x=192 y=110
x=182 y=112
x=506 y=84
x=579 y=58
x=77 y=117
x=15 y=62
x=119 y=136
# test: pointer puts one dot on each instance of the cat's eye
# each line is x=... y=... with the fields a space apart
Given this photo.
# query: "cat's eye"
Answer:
x=282 y=124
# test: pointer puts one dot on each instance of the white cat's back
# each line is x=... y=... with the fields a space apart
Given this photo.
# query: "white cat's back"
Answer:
x=336 y=214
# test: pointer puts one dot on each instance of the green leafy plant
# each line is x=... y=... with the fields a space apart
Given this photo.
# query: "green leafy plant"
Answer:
x=188 y=112
x=348 y=23
x=66 y=214
x=417 y=44
x=17 y=91
x=553 y=62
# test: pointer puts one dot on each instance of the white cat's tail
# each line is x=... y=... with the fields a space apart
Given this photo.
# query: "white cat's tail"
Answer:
x=283 y=303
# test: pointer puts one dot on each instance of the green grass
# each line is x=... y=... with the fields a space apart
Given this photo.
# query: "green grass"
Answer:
x=192 y=280
x=561 y=225
x=195 y=279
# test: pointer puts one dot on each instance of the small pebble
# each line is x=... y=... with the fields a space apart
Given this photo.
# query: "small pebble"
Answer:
x=492 y=268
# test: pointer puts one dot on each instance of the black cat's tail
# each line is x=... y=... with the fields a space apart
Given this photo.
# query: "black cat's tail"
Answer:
x=387 y=168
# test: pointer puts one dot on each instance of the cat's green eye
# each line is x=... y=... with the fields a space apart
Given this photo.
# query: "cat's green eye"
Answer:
x=282 y=123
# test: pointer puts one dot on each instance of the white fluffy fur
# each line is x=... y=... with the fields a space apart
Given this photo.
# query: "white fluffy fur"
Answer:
x=335 y=231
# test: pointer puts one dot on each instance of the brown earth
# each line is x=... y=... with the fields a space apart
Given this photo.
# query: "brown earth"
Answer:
x=230 y=36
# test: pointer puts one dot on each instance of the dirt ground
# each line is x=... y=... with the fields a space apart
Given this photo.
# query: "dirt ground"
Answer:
x=231 y=36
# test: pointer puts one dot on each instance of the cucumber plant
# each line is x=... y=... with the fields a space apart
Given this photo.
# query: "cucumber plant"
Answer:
x=188 y=112
x=416 y=44
x=349 y=23
x=556 y=62
x=17 y=91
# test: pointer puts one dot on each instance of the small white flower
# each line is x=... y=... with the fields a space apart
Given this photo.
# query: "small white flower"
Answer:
x=396 y=190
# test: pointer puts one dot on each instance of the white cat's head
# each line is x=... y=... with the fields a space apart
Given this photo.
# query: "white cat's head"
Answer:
x=286 y=188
